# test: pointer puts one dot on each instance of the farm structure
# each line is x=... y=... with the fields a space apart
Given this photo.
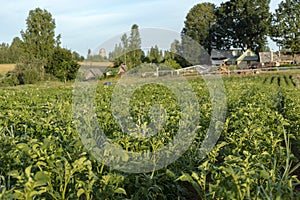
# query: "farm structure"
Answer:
x=122 y=69
x=243 y=61
x=92 y=73
x=219 y=56
x=237 y=58
x=272 y=59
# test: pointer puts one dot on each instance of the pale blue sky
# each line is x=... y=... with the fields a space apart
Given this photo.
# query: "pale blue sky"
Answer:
x=86 y=24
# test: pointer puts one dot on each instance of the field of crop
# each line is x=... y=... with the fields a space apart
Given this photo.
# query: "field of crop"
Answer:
x=97 y=64
x=43 y=157
x=4 y=68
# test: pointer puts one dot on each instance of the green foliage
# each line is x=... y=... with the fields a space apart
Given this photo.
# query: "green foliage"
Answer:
x=129 y=50
x=9 y=80
x=77 y=57
x=28 y=71
x=125 y=45
x=42 y=156
x=192 y=53
x=11 y=53
x=39 y=56
x=172 y=64
x=155 y=55
x=62 y=65
x=4 y=53
x=135 y=54
x=39 y=36
x=242 y=24
x=198 y=24
x=285 y=25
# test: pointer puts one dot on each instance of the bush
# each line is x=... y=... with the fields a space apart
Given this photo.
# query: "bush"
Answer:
x=9 y=80
x=289 y=65
x=29 y=71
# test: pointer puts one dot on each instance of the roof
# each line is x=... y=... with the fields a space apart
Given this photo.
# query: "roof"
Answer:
x=92 y=73
x=246 y=56
x=232 y=59
x=250 y=58
x=223 y=54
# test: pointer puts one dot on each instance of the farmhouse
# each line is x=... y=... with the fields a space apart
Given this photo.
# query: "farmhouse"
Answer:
x=244 y=60
x=219 y=56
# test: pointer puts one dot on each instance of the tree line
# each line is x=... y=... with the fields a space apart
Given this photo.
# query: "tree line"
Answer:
x=244 y=24
x=241 y=24
x=129 y=52
x=38 y=53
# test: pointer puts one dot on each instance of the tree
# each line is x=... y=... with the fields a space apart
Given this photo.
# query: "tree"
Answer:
x=4 y=53
x=11 y=53
x=155 y=55
x=89 y=53
x=135 y=52
x=125 y=48
x=198 y=24
x=172 y=64
x=176 y=53
x=15 y=49
x=192 y=53
x=39 y=37
x=63 y=66
x=286 y=25
x=77 y=57
x=116 y=55
x=29 y=70
x=242 y=24
x=128 y=51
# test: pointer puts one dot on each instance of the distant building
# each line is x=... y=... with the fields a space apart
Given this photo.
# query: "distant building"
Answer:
x=279 y=57
x=218 y=57
x=92 y=73
x=244 y=60
x=122 y=69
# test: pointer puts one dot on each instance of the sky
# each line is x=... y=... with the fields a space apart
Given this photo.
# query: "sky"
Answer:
x=91 y=24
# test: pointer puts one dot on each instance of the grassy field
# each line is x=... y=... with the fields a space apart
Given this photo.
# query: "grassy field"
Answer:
x=4 y=68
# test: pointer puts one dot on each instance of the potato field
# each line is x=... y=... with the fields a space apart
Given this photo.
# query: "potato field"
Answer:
x=256 y=156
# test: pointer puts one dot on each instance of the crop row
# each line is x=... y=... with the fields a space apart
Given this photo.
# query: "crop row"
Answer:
x=43 y=155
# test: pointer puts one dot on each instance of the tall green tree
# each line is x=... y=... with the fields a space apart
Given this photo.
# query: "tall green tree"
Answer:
x=136 y=54
x=11 y=53
x=16 y=50
x=125 y=48
x=4 y=53
x=155 y=55
x=198 y=24
x=242 y=24
x=286 y=25
x=39 y=36
x=116 y=55
x=176 y=52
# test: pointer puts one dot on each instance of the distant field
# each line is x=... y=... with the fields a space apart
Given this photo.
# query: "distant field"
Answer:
x=4 y=68
x=97 y=64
